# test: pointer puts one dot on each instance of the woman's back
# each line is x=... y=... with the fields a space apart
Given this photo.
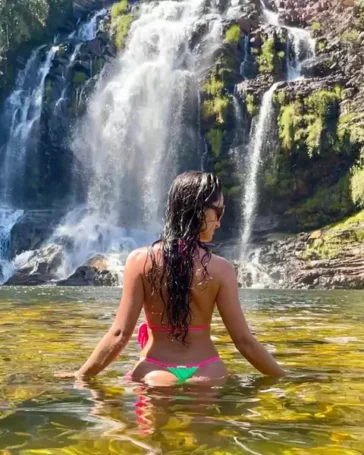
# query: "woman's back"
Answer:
x=177 y=282
x=204 y=290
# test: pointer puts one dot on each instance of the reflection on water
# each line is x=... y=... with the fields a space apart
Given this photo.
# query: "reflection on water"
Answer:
x=318 y=409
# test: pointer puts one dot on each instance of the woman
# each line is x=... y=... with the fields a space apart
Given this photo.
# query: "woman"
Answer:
x=178 y=282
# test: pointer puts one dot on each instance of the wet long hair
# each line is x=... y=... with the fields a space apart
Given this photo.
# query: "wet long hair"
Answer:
x=171 y=277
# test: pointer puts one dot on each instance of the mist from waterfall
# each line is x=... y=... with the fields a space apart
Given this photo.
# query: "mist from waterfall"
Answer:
x=20 y=124
x=143 y=117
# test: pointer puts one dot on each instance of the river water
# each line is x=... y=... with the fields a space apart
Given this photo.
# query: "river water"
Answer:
x=318 y=409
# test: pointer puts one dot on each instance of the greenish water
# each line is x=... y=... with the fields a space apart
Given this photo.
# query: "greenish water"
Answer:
x=318 y=409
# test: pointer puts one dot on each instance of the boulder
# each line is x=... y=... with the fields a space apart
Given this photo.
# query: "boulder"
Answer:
x=40 y=268
x=317 y=66
x=32 y=230
x=95 y=272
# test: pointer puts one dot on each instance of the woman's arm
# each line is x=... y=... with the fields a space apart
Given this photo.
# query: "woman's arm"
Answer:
x=233 y=317
x=124 y=323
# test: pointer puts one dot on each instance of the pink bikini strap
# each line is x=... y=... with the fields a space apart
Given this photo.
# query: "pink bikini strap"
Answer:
x=143 y=331
x=191 y=365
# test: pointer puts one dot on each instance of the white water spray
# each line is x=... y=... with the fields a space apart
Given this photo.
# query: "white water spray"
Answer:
x=138 y=124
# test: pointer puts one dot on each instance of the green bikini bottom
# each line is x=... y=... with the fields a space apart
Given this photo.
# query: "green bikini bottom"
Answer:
x=182 y=372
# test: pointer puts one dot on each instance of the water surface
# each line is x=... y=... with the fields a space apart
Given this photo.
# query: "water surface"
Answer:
x=318 y=409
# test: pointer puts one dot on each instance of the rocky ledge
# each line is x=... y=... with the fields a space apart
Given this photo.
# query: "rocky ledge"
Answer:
x=330 y=258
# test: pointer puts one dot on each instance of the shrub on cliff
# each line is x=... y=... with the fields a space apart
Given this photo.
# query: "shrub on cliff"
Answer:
x=121 y=22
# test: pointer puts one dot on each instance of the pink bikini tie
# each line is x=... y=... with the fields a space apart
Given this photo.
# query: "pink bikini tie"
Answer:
x=143 y=332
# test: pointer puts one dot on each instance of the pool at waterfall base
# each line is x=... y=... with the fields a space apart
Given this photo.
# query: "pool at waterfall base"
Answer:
x=317 y=409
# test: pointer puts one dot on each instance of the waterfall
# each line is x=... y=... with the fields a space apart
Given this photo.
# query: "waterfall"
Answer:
x=303 y=48
x=140 y=120
x=246 y=55
x=250 y=199
x=270 y=17
x=88 y=30
x=22 y=113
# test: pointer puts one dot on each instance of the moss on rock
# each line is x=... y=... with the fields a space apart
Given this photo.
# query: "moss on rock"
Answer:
x=337 y=240
x=120 y=23
x=328 y=203
x=233 y=34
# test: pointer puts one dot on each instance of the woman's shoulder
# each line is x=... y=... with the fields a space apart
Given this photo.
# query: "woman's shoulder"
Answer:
x=221 y=264
x=140 y=256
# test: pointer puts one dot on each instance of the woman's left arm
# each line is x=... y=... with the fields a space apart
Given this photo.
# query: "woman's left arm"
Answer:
x=125 y=321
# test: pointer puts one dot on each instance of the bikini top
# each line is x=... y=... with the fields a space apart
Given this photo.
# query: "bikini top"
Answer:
x=143 y=331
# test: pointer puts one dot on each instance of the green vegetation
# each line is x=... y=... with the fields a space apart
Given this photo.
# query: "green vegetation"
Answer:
x=279 y=97
x=303 y=123
x=325 y=205
x=213 y=86
x=119 y=9
x=321 y=45
x=251 y=107
x=27 y=21
x=214 y=138
x=350 y=37
x=79 y=78
x=216 y=107
x=288 y=122
x=336 y=239
x=217 y=101
x=316 y=27
x=266 y=58
x=233 y=34
x=122 y=27
x=120 y=22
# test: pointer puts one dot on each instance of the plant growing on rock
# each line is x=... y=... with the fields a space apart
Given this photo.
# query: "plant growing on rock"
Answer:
x=266 y=59
x=121 y=22
x=233 y=34
x=119 y=9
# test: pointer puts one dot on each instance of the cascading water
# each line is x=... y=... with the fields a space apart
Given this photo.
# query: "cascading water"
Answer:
x=89 y=29
x=246 y=56
x=270 y=17
x=8 y=218
x=138 y=123
x=250 y=199
x=22 y=113
x=303 y=47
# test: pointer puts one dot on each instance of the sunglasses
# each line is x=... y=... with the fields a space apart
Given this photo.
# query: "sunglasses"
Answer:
x=218 y=210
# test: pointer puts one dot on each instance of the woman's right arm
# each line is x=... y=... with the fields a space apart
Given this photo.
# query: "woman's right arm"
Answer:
x=233 y=317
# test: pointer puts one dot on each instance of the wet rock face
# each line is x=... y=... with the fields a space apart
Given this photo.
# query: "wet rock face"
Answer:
x=41 y=267
x=325 y=259
x=32 y=230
